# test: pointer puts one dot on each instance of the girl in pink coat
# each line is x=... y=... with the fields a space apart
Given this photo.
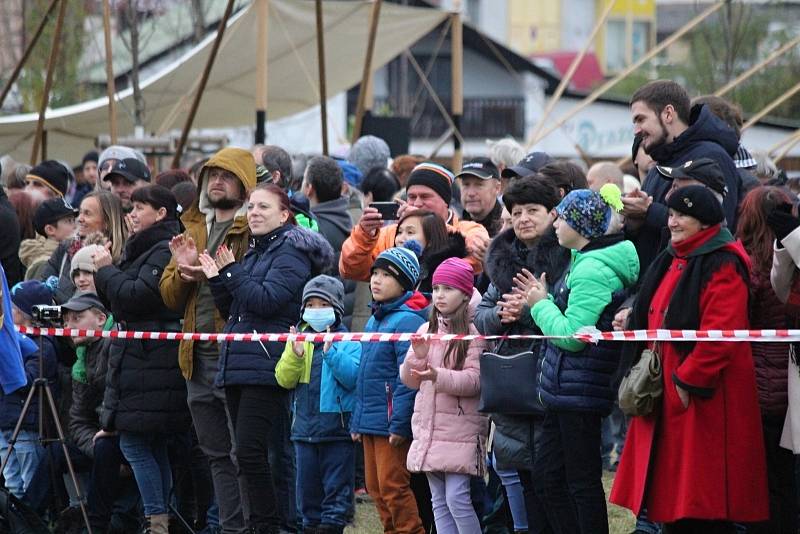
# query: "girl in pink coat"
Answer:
x=449 y=434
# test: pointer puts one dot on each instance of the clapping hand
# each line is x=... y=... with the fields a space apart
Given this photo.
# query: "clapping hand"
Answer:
x=428 y=374
x=297 y=346
x=208 y=264
x=510 y=307
x=224 y=257
x=102 y=257
x=420 y=345
x=534 y=289
x=186 y=257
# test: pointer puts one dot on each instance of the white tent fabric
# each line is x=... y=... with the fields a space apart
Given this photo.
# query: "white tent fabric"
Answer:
x=229 y=97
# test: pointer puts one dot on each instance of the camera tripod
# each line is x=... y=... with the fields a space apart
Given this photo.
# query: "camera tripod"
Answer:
x=42 y=388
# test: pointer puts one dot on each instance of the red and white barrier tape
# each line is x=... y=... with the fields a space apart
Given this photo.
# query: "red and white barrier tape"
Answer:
x=588 y=336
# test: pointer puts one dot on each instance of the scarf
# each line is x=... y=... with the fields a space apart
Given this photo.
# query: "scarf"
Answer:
x=79 y=367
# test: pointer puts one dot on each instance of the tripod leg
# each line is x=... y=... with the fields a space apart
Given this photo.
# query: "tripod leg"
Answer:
x=62 y=439
x=18 y=427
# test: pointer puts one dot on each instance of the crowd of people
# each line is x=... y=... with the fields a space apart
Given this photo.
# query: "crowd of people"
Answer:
x=268 y=437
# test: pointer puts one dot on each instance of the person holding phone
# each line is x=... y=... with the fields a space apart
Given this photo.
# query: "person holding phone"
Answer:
x=430 y=187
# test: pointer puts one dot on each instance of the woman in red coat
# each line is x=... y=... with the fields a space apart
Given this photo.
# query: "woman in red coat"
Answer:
x=697 y=462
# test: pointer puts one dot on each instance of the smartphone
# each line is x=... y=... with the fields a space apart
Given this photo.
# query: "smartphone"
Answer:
x=388 y=210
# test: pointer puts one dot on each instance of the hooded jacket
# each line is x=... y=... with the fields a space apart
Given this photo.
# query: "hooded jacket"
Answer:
x=181 y=296
x=575 y=376
x=145 y=391
x=264 y=293
x=34 y=255
x=87 y=397
x=707 y=136
x=449 y=432
x=324 y=386
x=383 y=403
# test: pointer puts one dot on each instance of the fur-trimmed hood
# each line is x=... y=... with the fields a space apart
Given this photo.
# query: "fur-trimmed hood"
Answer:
x=507 y=256
x=312 y=243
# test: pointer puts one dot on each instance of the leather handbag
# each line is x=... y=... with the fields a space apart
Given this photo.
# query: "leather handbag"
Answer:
x=642 y=387
x=508 y=382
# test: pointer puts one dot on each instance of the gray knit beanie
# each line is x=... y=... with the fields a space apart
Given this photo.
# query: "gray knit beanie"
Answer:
x=327 y=288
x=369 y=152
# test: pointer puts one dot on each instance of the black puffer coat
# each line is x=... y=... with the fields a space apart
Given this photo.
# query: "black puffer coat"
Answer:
x=507 y=256
x=145 y=391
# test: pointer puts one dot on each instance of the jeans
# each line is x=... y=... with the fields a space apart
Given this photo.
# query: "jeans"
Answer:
x=568 y=473
x=613 y=435
x=22 y=464
x=325 y=481
x=516 y=502
x=254 y=412
x=452 y=506
x=211 y=422
x=149 y=460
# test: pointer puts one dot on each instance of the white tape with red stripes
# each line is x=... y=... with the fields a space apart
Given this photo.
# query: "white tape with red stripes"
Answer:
x=586 y=335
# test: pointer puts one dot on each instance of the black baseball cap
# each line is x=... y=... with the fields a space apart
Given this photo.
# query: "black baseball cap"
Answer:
x=129 y=168
x=82 y=301
x=50 y=212
x=528 y=165
x=482 y=168
x=704 y=170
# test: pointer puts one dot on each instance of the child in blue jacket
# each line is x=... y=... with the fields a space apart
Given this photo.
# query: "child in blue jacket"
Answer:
x=324 y=379
x=382 y=415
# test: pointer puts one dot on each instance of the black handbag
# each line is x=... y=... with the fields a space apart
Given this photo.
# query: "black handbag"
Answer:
x=508 y=382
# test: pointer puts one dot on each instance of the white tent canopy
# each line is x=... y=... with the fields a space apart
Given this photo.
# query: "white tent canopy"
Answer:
x=229 y=99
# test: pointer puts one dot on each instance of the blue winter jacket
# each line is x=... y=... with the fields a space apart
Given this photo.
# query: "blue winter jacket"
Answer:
x=263 y=294
x=383 y=403
x=324 y=388
x=11 y=404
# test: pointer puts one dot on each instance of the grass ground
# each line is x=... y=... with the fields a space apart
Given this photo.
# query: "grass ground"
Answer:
x=620 y=520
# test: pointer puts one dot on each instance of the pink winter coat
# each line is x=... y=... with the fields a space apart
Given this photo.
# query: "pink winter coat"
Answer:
x=449 y=433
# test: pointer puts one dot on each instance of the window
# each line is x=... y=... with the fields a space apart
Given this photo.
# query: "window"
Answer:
x=615 y=45
x=640 y=40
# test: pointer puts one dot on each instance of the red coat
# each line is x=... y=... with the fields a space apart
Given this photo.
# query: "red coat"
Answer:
x=705 y=461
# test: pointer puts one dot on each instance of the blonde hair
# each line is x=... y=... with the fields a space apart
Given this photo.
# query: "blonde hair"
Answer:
x=113 y=218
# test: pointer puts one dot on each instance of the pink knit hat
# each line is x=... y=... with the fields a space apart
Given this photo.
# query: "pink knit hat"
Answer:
x=455 y=272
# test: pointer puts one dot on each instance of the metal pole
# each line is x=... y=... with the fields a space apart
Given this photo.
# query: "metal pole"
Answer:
x=176 y=160
x=262 y=57
x=457 y=84
x=323 y=99
x=110 y=84
x=562 y=86
x=48 y=81
x=27 y=52
x=366 y=76
x=616 y=79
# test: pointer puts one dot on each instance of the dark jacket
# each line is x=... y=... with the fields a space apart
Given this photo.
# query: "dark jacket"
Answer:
x=9 y=240
x=59 y=265
x=383 y=403
x=506 y=257
x=455 y=247
x=493 y=222
x=263 y=294
x=335 y=224
x=145 y=390
x=11 y=404
x=708 y=137
x=87 y=398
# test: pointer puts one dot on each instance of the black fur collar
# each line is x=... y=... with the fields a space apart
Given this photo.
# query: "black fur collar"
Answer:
x=507 y=255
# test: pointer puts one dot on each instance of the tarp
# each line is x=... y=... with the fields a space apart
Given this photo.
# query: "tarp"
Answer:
x=229 y=97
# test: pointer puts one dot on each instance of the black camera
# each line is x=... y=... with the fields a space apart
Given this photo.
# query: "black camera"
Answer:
x=46 y=313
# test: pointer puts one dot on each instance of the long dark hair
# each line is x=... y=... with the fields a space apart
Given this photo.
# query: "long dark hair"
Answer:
x=459 y=322
x=433 y=228
x=756 y=235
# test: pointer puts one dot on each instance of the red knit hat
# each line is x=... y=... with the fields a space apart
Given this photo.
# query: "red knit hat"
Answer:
x=455 y=272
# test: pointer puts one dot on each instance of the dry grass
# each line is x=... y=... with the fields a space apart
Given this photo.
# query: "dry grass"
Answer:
x=620 y=520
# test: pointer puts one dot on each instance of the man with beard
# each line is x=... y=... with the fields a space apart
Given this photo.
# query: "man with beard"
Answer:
x=217 y=217
x=672 y=133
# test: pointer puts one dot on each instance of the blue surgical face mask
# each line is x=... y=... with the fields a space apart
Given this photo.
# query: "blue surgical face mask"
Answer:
x=319 y=318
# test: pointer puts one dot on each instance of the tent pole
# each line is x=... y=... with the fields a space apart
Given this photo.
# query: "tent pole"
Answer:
x=793 y=140
x=432 y=92
x=570 y=73
x=262 y=56
x=772 y=105
x=323 y=98
x=27 y=52
x=48 y=81
x=176 y=160
x=366 y=76
x=110 y=84
x=457 y=83
x=757 y=67
x=616 y=79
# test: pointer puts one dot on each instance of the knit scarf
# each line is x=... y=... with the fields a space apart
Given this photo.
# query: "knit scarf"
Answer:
x=79 y=367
